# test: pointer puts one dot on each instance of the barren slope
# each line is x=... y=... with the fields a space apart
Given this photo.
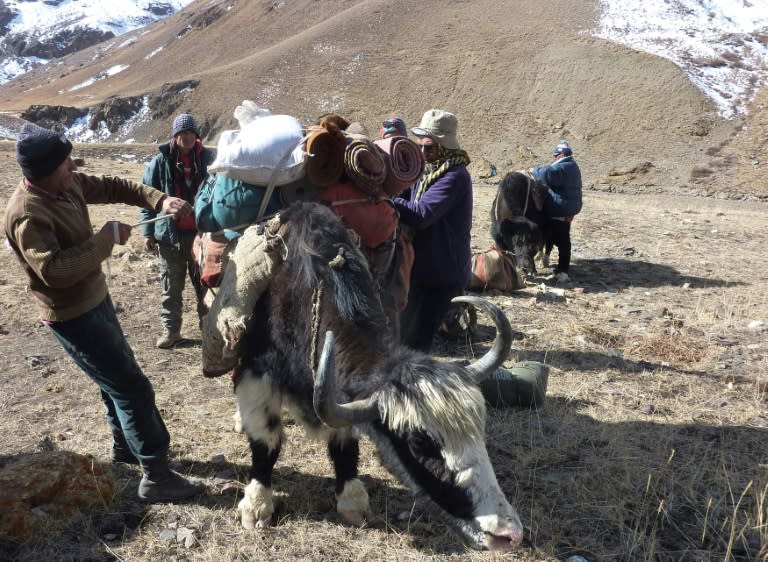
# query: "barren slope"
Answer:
x=520 y=76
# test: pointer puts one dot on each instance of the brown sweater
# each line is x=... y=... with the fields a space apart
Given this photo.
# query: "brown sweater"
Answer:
x=52 y=236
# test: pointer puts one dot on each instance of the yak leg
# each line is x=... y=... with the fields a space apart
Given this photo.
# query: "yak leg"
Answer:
x=260 y=412
x=351 y=497
x=237 y=421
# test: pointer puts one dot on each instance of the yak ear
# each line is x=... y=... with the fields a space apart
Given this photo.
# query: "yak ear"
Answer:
x=234 y=330
x=327 y=409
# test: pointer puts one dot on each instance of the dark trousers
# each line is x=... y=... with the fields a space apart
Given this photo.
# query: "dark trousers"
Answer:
x=176 y=263
x=424 y=313
x=96 y=343
x=559 y=235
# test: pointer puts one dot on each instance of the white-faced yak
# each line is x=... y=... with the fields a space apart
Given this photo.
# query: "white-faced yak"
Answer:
x=316 y=343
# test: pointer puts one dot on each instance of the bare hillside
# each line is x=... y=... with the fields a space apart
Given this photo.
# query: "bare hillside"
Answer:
x=520 y=76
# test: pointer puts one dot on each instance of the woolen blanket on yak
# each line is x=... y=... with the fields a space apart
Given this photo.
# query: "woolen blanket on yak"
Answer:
x=404 y=162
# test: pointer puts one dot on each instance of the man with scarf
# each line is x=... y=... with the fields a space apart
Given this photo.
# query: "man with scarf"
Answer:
x=178 y=171
x=438 y=210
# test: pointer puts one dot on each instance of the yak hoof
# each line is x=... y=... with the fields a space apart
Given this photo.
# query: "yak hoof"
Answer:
x=254 y=518
x=256 y=507
x=352 y=504
x=357 y=518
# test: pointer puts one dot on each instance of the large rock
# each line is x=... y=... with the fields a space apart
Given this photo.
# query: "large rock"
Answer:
x=42 y=492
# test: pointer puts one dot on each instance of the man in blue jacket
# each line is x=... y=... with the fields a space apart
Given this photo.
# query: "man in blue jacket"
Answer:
x=562 y=202
x=438 y=210
x=178 y=170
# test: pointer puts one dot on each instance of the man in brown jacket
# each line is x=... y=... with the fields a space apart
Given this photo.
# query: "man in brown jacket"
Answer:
x=49 y=229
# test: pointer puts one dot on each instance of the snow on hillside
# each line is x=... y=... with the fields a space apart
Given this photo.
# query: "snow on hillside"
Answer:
x=722 y=45
x=41 y=22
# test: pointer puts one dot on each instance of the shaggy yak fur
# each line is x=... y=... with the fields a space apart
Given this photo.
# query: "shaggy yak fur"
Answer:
x=517 y=225
x=317 y=344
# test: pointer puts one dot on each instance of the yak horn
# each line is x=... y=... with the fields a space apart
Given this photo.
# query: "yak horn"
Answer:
x=488 y=363
x=327 y=409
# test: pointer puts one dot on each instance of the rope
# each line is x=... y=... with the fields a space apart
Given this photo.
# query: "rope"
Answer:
x=317 y=298
x=273 y=177
x=360 y=200
x=149 y=221
x=527 y=194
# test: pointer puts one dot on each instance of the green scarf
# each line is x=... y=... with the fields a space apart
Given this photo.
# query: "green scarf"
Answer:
x=434 y=170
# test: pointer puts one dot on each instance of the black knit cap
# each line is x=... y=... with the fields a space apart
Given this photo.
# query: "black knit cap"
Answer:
x=40 y=151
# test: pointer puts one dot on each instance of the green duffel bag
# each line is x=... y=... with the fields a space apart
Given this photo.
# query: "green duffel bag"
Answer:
x=524 y=384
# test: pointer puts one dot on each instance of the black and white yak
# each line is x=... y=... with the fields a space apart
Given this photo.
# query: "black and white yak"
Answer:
x=316 y=343
x=518 y=224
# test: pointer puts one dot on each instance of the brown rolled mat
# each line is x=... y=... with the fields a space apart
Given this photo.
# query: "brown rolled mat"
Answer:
x=325 y=155
x=331 y=120
x=404 y=162
x=364 y=164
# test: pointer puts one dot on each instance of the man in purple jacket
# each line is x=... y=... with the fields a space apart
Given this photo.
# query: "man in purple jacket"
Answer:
x=438 y=210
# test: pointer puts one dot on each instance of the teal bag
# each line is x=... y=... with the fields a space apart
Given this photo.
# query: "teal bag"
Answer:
x=224 y=203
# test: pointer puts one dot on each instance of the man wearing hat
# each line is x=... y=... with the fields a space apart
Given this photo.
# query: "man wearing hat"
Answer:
x=178 y=170
x=562 y=202
x=438 y=210
x=49 y=229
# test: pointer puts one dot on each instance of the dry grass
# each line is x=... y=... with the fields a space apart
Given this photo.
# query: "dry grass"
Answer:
x=650 y=447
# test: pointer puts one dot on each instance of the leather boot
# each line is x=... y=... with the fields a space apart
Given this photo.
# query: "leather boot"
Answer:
x=160 y=484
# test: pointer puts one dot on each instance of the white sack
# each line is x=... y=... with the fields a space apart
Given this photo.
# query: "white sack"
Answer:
x=252 y=153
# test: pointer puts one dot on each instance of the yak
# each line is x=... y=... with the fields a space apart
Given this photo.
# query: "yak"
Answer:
x=316 y=343
x=518 y=225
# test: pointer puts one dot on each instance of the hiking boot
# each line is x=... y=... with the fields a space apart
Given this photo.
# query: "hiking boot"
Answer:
x=171 y=488
x=169 y=339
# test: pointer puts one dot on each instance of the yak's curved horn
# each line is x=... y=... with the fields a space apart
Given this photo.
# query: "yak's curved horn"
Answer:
x=488 y=363
x=324 y=400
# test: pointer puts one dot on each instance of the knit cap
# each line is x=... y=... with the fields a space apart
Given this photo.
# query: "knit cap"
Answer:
x=40 y=151
x=394 y=125
x=563 y=147
x=185 y=122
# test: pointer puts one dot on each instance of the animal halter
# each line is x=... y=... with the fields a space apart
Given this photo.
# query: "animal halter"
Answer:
x=317 y=302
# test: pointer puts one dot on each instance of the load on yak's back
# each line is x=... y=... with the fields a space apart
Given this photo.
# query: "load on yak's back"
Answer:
x=272 y=160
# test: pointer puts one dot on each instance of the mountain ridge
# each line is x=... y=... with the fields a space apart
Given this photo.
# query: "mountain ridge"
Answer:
x=518 y=78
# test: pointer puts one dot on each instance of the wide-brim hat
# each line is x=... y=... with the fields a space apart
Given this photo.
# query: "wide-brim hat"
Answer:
x=441 y=126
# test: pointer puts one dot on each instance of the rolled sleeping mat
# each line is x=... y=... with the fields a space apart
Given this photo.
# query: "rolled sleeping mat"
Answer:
x=524 y=384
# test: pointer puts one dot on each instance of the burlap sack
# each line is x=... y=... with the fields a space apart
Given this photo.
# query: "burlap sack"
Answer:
x=255 y=258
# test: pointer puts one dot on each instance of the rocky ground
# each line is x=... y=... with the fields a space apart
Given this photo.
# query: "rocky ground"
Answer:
x=650 y=446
